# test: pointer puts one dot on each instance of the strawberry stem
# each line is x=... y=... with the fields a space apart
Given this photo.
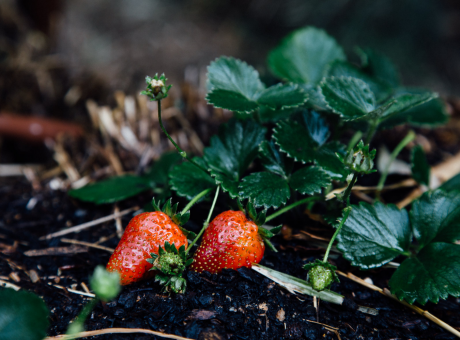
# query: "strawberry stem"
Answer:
x=293 y=205
x=205 y=225
x=181 y=152
x=195 y=199
x=342 y=222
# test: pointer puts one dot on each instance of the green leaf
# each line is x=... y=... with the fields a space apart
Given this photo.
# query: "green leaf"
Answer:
x=268 y=115
x=23 y=315
x=282 y=96
x=406 y=100
x=374 y=235
x=345 y=69
x=231 y=101
x=380 y=67
x=271 y=159
x=433 y=274
x=452 y=184
x=303 y=55
x=350 y=98
x=420 y=166
x=305 y=149
x=265 y=189
x=317 y=127
x=429 y=114
x=309 y=180
x=188 y=180
x=227 y=184
x=111 y=190
x=315 y=98
x=233 y=75
x=435 y=217
x=158 y=173
x=233 y=149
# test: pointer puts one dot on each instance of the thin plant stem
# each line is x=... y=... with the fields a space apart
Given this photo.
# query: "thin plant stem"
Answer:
x=293 y=205
x=181 y=152
x=346 y=194
x=354 y=140
x=195 y=199
x=372 y=128
x=342 y=222
x=81 y=318
x=409 y=138
x=205 y=225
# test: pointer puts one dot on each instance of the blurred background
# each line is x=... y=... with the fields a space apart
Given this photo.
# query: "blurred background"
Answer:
x=57 y=54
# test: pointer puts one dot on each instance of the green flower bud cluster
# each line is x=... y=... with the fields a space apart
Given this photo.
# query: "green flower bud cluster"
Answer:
x=359 y=159
x=106 y=285
x=321 y=274
x=156 y=87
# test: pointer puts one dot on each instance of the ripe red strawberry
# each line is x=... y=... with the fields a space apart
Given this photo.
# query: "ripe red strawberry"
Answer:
x=231 y=241
x=143 y=235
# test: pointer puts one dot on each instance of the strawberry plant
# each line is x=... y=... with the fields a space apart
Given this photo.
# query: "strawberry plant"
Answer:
x=288 y=145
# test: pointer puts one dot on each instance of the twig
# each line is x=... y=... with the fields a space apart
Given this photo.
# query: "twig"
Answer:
x=118 y=224
x=416 y=309
x=87 y=244
x=116 y=330
x=88 y=224
x=73 y=290
x=9 y=285
x=329 y=328
x=403 y=184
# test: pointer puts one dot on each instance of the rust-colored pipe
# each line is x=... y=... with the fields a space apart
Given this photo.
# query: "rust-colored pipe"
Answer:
x=35 y=129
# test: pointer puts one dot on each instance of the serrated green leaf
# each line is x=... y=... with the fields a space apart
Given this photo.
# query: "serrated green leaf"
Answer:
x=271 y=159
x=233 y=85
x=309 y=180
x=317 y=127
x=111 y=190
x=158 y=173
x=345 y=69
x=232 y=150
x=305 y=149
x=435 y=217
x=380 y=67
x=302 y=56
x=429 y=114
x=406 y=100
x=282 y=96
x=452 y=184
x=420 y=166
x=188 y=180
x=267 y=115
x=23 y=315
x=315 y=98
x=350 y=98
x=431 y=275
x=231 y=101
x=226 y=183
x=374 y=235
x=265 y=189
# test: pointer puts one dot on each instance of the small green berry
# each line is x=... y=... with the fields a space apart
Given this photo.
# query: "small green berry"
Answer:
x=106 y=285
x=320 y=278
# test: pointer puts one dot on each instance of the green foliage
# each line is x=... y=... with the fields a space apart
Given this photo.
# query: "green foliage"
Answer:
x=236 y=86
x=304 y=148
x=302 y=56
x=188 y=180
x=23 y=315
x=420 y=166
x=231 y=152
x=112 y=190
x=375 y=235
x=452 y=184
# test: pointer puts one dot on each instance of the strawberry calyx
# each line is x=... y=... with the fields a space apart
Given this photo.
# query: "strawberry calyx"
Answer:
x=171 y=263
x=156 y=87
x=259 y=220
x=321 y=274
x=178 y=218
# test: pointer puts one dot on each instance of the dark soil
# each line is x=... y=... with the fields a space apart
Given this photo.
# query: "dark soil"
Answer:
x=233 y=305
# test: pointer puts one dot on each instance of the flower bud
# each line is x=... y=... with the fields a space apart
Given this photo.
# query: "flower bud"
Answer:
x=106 y=285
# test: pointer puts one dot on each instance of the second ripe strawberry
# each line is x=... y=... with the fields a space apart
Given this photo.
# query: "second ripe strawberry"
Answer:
x=231 y=241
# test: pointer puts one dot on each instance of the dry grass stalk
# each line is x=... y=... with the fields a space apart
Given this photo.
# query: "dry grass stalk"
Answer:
x=87 y=244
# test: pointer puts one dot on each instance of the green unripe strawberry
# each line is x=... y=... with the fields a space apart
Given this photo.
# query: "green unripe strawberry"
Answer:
x=321 y=274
